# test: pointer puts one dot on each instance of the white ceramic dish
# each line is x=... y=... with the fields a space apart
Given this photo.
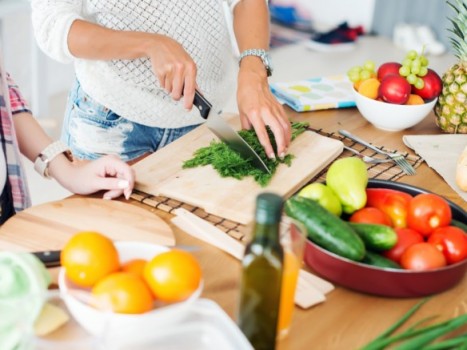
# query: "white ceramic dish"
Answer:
x=205 y=326
x=97 y=322
x=391 y=117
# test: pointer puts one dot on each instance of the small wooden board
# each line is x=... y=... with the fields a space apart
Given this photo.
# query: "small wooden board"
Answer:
x=49 y=226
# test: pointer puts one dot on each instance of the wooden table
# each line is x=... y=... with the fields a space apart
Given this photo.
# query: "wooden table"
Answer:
x=346 y=320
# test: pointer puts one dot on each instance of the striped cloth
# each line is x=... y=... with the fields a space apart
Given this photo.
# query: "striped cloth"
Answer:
x=11 y=102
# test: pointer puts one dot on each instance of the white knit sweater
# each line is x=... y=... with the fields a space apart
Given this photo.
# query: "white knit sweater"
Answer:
x=129 y=87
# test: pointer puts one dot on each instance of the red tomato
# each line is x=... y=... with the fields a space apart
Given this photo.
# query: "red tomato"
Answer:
x=421 y=257
x=406 y=237
x=370 y=215
x=451 y=241
x=392 y=202
x=428 y=211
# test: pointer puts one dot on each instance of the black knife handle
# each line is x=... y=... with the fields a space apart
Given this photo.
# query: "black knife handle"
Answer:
x=49 y=258
x=202 y=104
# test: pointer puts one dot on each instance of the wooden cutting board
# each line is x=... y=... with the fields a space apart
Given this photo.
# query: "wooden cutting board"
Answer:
x=50 y=225
x=161 y=174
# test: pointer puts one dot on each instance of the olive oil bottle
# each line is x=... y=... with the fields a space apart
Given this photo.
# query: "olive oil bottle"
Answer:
x=262 y=275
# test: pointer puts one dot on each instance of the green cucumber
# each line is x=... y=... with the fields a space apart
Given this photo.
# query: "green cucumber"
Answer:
x=459 y=224
x=376 y=237
x=374 y=259
x=326 y=229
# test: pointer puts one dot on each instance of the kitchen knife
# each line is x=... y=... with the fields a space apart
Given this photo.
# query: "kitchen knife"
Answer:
x=226 y=134
x=50 y=258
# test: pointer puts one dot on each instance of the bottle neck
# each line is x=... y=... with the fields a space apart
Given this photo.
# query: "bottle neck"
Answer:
x=266 y=234
x=267 y=217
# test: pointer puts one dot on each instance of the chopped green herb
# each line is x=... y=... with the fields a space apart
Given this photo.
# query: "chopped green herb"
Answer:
x=229 y=163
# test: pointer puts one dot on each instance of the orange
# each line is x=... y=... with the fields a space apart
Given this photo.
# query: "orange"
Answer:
x=87 y=257
x=369 y=88
x=124 y=292
x=173 y=276
x=414 y=100
x=135 y=266
x=356 y=85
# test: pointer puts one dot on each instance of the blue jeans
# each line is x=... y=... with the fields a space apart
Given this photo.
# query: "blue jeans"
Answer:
x=92 y=130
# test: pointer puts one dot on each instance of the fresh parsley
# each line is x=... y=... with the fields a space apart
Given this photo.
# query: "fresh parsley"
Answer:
x=229 y=163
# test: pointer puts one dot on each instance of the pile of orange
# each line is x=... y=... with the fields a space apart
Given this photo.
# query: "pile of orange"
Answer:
x=91 y=260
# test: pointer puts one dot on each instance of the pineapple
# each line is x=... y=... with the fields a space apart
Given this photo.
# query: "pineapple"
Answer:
x=451 y=108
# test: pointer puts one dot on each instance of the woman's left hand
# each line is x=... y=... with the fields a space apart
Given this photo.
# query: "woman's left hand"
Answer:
x=259 y=108
x=106 y=173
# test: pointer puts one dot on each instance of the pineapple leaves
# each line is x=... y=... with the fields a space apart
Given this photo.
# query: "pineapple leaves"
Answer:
x=459 y=28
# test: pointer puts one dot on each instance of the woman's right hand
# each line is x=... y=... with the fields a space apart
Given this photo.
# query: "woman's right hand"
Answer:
x=174 y=68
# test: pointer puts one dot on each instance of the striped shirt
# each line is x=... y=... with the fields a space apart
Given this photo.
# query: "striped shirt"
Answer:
x=12 y=102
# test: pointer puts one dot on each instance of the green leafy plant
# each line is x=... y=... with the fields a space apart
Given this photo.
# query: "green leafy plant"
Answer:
x=421 y=338
x=229 y=163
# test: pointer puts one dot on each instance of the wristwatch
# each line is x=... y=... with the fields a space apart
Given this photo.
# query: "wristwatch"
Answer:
x=41 y=164
x=263 y=54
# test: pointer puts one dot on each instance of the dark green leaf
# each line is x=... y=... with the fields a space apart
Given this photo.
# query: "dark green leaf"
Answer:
x=229 y=163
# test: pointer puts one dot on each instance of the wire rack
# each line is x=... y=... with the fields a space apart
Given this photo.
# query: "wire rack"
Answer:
x=383 y=171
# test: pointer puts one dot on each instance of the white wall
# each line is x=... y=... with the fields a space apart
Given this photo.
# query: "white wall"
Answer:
x=19 y=47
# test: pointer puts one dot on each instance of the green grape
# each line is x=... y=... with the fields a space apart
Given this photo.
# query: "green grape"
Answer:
x=354 y=76
x=369 y=65
x=416 y=63
x=355 y=69
x=365 y=74
x=404 y=71
x=423 y=71
x=412 y=54
x=424 y=61
x=411 y=78
x=407 y=62
x=419 y=84
x=415 y=70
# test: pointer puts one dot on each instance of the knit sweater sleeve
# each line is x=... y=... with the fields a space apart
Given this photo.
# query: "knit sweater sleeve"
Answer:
x=232 y=3
x=51 y=20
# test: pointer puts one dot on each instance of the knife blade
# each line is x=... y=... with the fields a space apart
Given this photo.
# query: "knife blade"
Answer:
x=226 y=134
x=50 y=258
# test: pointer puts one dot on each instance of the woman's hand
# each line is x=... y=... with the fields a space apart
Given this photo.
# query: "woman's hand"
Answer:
x=86 y=177
x=174 y=68
x=259 y=108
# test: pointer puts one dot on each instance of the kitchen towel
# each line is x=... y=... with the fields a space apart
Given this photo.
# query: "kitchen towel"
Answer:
x=316 y=93
x=441 y=153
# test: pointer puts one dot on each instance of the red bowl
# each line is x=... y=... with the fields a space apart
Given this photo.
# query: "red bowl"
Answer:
x=386 y=281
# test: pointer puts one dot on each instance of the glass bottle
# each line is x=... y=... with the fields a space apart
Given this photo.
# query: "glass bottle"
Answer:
x=262 y=275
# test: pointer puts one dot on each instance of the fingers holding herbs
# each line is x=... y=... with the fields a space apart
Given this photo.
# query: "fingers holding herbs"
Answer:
x=259 y=109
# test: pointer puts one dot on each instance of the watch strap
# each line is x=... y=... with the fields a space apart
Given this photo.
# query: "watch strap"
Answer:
x=262 y=54
x=41 y=164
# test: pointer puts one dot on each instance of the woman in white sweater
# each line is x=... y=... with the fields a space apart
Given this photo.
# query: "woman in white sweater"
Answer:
x=138 y=63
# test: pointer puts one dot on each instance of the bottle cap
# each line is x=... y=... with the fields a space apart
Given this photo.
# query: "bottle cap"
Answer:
x=268 y=208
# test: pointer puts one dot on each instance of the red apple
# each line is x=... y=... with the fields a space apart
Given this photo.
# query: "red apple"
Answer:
x=394 y=89
x=388 y=68
x=432 y=88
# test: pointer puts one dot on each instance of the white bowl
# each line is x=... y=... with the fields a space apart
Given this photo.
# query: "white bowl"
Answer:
x=98 y=322
x=389 y=116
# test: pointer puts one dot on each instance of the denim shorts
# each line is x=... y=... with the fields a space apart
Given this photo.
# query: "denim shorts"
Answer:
x=92 y=130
